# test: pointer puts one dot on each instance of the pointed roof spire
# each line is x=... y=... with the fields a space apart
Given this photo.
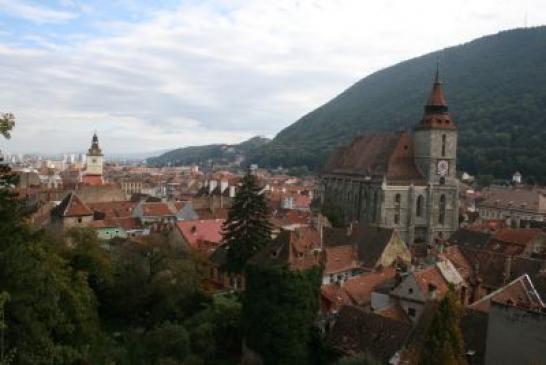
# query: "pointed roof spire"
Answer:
x=436 y=101
x=436 y=110
x=95 y=149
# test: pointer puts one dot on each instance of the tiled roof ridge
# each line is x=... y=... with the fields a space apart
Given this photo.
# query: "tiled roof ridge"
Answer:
x=520 y=278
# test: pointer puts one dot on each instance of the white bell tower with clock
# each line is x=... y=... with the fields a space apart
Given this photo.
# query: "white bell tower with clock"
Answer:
x=94 y=158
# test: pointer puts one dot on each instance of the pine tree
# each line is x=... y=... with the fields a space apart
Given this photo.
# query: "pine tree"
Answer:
x=247 y=228
x=443 y=343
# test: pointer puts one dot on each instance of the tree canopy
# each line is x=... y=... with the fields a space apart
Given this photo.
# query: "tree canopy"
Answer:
x=247 y=228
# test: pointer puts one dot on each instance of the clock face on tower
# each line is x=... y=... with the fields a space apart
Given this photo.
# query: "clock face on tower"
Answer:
x=443 y=167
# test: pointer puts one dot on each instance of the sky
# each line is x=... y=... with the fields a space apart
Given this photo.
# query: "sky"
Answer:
x=154 y=75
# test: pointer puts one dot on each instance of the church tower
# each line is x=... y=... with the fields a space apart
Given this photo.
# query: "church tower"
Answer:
x=435 y=139
x=93 y=164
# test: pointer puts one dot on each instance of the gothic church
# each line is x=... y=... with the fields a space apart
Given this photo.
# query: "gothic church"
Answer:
x=400 y=180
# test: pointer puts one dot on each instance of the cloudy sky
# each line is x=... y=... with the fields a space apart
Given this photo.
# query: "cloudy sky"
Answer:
x=151 y=75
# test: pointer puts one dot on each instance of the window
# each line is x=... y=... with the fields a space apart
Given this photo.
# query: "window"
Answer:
x=410 y=290
x=374 y=206
x=79 y=219
x=419 y=206
x=442 y=214
x=443 y=145
x=397 y=199
x=411 y=312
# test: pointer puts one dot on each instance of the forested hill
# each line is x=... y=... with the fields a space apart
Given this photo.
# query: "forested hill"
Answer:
x=217 y=153
x=496 y=90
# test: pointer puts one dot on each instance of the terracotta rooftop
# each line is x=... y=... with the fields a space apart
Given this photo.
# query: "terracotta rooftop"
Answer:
x=198 y=231
x=359 y=288
x=156 y=210
x=71 y=206
x=339 y=258
x=115 y=209
x=520 y=292
x=376 y=155
x=431 y=276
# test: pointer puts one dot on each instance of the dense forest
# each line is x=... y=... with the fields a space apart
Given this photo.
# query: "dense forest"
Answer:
x=212 y=153
x=495 y=89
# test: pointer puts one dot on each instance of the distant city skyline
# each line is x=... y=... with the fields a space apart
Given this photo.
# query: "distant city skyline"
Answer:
x=150 y=76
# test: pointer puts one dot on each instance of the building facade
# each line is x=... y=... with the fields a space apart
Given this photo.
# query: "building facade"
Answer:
x=406 y=181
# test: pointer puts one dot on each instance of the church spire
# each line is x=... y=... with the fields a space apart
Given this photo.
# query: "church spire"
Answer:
x=95 y=149
x=436 y=102
x=436 y=110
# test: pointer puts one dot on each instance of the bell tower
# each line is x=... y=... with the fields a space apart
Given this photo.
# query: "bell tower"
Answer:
x=93 y=163
x=435 y=139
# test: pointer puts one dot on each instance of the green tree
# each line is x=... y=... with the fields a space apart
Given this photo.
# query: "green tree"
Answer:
x=279 y=310
x=7 y=122
x=247 y=229
x=443 y=344
x=51 y=317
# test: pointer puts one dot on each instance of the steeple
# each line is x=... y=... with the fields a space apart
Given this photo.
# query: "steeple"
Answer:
x=95 y=149
x=436 y=110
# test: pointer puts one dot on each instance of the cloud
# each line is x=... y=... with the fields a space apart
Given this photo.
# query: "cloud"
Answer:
x=218 y=70
x=35 y=13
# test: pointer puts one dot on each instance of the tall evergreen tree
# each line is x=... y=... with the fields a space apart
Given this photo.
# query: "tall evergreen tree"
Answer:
x=443 y=343
x=247 y=228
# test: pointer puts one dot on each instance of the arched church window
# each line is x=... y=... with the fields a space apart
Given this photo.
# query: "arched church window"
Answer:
x=443 y=145
x=397 y=199
x=419 y=206
x=442 y=214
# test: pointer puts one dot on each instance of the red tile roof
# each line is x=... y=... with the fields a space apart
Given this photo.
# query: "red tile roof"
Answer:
x=197 y=231
x=463 y=265
x=71 y=206
x=115 y=209
x=93 y=180
x=519 y=292
x=359 y=288
x=156 y=210
x=381 y=154
x=340 y=258
x=520 y=236
x=431 y=276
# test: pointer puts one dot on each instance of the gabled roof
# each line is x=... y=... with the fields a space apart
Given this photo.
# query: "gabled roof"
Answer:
x=369 y=241
x=339 y=258
x=469 y=238
x=357 y=331
x=156 y=209
x=71 y=206
x=381 y=154
x=360 y=287
x=520 y=292
x=198 y=231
